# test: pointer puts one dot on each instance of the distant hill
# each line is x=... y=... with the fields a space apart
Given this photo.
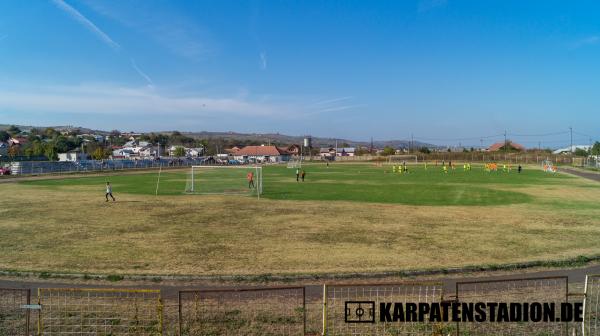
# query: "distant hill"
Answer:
x=298 y=139
x=275 y=138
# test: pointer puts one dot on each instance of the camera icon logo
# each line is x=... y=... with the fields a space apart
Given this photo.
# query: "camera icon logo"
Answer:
x=359 y=312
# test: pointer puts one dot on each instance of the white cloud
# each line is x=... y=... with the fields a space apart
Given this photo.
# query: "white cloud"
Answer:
x=141 y=73
x=172 y=30
x=338 y=108
x=329 y=101
x=263 y=60
x=331 y=105
x=427 y=5
x=590 y=40
x=116 y=100
x=75 y=14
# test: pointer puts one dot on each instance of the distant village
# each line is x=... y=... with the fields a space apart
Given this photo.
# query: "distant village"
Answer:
x=72 y=145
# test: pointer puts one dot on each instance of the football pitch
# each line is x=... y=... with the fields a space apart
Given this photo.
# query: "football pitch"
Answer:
x=343 y=218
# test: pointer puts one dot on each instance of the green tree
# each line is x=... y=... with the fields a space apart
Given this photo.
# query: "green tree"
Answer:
x=99 y=154
x=35 y=148
x=13 y=130
x=50 y=152
x=580 y=152
x=179 y=151
x=14 y=151
x=4 y=136
x=51 y=133
x=596 y=149
x=387 y=150
x=424 y=150
x=361 y=151
x=62 y=144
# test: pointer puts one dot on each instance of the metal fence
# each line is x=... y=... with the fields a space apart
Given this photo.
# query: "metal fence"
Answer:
x=349 y=309
x=54 y=167
x=14 y=318
x=591 y=316
x=253 y=311
x=542 y=290
x=78 y=311
x=346 y=309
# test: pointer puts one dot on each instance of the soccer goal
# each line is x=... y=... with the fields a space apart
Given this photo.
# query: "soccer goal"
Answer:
x=224 y=180
x=402 y=158
x=295 y=163
x=548 y=166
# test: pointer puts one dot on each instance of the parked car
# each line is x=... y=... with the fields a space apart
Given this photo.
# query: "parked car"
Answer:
x=4 y=171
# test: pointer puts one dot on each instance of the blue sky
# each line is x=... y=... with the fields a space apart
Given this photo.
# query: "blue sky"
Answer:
x=445 y=71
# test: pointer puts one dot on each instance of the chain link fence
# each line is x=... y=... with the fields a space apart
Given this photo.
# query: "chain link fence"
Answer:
x=82 y=311
x=350 y=309
x=541 y=290
x=14 y=318
x=254 y=311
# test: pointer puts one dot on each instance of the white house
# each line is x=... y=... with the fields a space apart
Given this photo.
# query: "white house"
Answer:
x=122 y=153
x=189 y=152
x=261 y=154
x=3 y=148
x=572 y=149
x=346 y=151
x=73 y=156
x=327 y=152
x=149 y=151
x=135 y=148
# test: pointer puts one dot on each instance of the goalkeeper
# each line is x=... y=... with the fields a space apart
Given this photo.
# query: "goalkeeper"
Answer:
x=250 y=178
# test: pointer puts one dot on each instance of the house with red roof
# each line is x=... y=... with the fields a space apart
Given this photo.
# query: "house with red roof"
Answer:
x=508 y=146
x=261 y=154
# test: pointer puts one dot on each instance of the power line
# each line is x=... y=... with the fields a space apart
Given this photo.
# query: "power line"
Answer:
x=462 y=139
x=539 y=135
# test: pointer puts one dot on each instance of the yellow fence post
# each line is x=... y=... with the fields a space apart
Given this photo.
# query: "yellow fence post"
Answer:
x=39 y=324
x=160 y=316
x=324 y=310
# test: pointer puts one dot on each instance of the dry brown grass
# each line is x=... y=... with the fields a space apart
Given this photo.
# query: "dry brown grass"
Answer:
x=59 y=230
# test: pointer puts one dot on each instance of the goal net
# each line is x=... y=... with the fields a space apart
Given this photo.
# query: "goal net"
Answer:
x=548 y=166
x=294 y=163
x=402 y=158
x=222 y=180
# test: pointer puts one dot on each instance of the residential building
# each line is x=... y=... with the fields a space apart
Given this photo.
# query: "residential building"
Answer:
x=189 y=152
x=572 y=149
x=508 y=146
x=346 y=151
x=3 y=148
x=327 y=152
x=74 y=155
x=261 y=154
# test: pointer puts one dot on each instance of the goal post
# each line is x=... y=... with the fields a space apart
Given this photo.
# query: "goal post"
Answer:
x=295 y=163
x=548 y=166
x=408 y=158
x=225 y=180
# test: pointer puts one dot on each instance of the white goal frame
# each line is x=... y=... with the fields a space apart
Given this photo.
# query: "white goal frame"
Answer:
x=403 y=157
x=257 y=176
x=295 y=163
x=548 y=166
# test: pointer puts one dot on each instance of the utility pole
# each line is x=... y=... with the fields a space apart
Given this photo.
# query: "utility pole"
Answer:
x=571 y=131
x=412 y=141
x=505 y=143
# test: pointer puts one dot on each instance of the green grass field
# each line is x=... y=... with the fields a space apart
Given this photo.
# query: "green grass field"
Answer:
x=345 y=182
x=343 y=218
